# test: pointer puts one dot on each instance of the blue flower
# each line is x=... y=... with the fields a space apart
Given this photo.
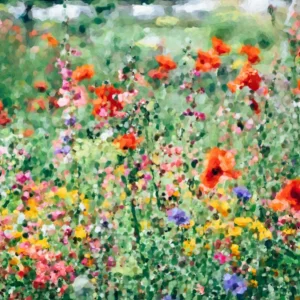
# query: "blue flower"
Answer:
x=235 y=284
x=178 y=216
x=242 y=193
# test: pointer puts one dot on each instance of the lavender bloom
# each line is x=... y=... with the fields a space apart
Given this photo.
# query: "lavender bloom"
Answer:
x=178 y=216
x=67 y=139
x=71 y=121
x=242 y=193
x=63 y=150
x=235 y=284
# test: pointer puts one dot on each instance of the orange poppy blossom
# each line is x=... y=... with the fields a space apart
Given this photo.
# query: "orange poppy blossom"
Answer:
x=28 y=133
x=289 y=194
x=218 y=163
x=52 y=41
x=127 y=141
x=107 y=100
x=83 y=72
x=252 y=53
x=41 y=86
x=296 y=91
x=207 y=61
x=166 y=64
x=247 y=77
x=219 y=46
x=4 y=119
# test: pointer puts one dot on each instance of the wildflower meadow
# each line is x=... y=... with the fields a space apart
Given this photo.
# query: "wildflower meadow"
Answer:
x=150 y=160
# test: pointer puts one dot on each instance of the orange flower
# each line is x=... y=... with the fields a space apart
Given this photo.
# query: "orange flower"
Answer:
x=252 y=53
x=159 y=73
x=36 y=104
x=1 y=106
x=278 y=205
x=219 y=163
x=166 y=62
x=207 y=61
x=52 y=41
x=219 y=46
x=33 y=33
x=83 y=72
x=28 y=132
x=247 y=77
x=291 y=194
x=41 y=86
x=296 y=91
x=127 y=141
x=108 y=100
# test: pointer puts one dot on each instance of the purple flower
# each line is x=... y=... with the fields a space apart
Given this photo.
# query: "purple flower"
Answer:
x=178 y=216
x=63 y=150
x=242 y=193
x=67 y=139
x=235 y=284
x=167 y=297
x=71 y=121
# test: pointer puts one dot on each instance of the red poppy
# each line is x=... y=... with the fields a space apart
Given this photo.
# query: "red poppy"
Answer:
x=159 y=73
x=4 y=119
x=219 y=163
x=108 y=100
x=207 y=61
x=166 y=62
x=127 y=141
x=247 y=77
x=219 y=46
x=291 y=194
x=83 y=72
x=252 y=53
x=254 y=106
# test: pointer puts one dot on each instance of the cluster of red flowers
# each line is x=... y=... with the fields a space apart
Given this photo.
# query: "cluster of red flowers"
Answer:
x=107 y=103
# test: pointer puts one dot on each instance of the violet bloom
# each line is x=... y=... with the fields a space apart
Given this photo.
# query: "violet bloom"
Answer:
x=235 y=284
x=167 y=297
x=71 y=121
x=178 y=216
x=242 y=193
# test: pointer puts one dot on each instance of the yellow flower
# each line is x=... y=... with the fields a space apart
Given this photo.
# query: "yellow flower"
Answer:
x=62 y=192
x=106 y=204
x=265 y=234
x=145 y=225
x=221 y=207
x=17 y=234
x=42 y=243
x=189 y=246
x=242 y=222
x=31 y=212
x=190 y=225
x=253 y=271
x=234 y=231
x=80 y=232
x=14 y=261
x=119 y=171
x=235 y=250
x=254 y=283
x=123 y=196
x=289 y=231
x=4 y=212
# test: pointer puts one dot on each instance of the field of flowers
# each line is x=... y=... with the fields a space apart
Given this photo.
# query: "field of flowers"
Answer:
x=130 y=171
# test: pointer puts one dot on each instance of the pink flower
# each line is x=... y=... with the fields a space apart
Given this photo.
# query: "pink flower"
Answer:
x=221 y=258
x=64 y=101
x=23 y=177
x=200 y=289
